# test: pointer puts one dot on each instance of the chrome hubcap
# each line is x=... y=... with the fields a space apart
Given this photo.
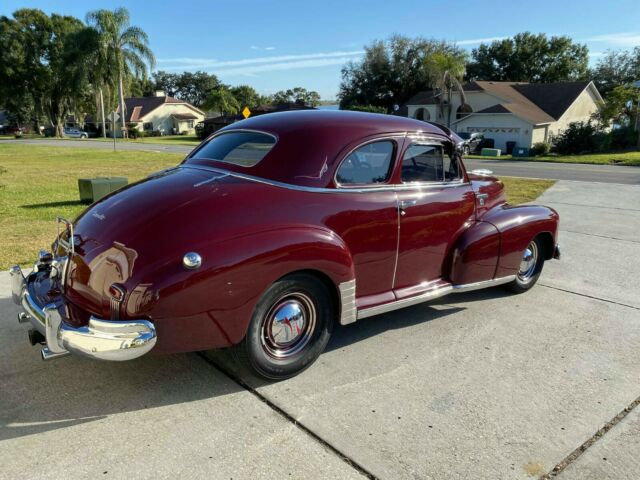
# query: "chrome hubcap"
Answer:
x=528 y=262
x=288 y=325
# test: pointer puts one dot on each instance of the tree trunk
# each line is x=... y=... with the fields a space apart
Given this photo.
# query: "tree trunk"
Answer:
x=104 y=128
x=122 y=111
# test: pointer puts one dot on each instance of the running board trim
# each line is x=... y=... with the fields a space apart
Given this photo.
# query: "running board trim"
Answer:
x=432 y=294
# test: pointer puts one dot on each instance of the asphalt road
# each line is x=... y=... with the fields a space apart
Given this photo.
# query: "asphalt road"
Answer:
x=478 y=385
x=512 y=168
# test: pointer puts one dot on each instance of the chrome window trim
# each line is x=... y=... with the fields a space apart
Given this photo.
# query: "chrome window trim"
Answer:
x=233 y=130
x=302 y=188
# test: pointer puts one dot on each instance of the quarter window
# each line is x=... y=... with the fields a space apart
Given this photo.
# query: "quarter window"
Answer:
x=369 y=164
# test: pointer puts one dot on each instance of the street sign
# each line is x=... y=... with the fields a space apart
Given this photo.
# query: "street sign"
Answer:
x=246 y=112
x=113 y=117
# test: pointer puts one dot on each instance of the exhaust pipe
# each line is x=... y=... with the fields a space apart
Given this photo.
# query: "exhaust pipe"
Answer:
x=49 y=355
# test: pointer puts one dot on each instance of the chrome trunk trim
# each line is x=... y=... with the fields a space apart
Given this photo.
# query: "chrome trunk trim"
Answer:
x=431 y=295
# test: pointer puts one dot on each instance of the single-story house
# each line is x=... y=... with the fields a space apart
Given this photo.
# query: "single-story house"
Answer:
x=525 y=113
x=162 y=113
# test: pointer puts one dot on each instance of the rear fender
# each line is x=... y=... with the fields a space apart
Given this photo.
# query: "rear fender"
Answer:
x=518 y=226
x=215 y=310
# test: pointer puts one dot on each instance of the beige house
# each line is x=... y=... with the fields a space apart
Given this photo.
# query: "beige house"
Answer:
x=525 y=113
x=161 y=113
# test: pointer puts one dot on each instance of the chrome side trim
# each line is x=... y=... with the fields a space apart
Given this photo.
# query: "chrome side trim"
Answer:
x=300 y=188
x=348 y=308
x=431 y=295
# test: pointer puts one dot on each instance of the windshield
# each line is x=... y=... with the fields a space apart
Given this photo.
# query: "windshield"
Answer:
x=464 y=135
x=244 y=149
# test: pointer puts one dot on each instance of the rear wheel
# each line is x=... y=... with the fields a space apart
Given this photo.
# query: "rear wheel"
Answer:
x=530 y=267
x=289 y=329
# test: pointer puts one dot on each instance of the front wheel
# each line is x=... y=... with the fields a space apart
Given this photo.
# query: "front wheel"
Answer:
x=530 y=267
x=289 y=329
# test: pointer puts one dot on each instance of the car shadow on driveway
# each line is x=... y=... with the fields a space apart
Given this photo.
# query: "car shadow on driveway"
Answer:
x=37 y=396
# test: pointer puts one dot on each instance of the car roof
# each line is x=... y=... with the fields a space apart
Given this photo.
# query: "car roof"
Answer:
x=309 y=142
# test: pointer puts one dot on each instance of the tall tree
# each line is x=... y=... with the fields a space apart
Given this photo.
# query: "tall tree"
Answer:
x=528 y=57
x=196 y=87
x=446 y=71
x=300 y=95
x=127 y=48
x=616 y=68
x=246 y=96
x=223 y=101
x=391 y=71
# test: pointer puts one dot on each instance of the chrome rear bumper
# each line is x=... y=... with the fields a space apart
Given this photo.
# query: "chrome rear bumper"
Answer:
x=100 y=339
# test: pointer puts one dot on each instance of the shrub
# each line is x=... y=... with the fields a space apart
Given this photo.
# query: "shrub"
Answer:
x=540 y=148
x=579 y=137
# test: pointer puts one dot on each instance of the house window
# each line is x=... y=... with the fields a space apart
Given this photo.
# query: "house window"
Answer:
x=422 y=114
x=190 y=124
x=147 y=126
x=463 y=110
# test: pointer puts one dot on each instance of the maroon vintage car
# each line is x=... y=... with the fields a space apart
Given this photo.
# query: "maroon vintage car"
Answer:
x=272 y=231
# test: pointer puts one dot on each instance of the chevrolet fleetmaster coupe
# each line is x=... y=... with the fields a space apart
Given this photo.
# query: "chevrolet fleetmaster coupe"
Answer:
x=273 y=230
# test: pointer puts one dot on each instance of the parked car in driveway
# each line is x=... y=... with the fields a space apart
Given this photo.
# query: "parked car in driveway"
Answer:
x=270 y=233
x=470 y=142
x=75 y=133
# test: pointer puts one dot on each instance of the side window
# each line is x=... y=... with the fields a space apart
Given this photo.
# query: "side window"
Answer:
x=429 y=163
x=369 y=164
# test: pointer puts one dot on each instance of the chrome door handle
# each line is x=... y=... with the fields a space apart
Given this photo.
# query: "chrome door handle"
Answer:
x=407 y=203
x=403 y=204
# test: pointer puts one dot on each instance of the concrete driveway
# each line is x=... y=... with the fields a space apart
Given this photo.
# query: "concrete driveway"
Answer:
x=479 y=385
x=514 y=168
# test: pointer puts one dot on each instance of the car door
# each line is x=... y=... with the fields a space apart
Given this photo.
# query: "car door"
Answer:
x=436 y=205
x=368 y=216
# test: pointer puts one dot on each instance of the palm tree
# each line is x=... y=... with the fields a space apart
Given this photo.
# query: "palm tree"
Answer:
x=222 y=100
x=446 y=71
x=124 y=49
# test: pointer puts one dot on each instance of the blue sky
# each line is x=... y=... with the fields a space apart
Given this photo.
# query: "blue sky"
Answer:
x=275 y=44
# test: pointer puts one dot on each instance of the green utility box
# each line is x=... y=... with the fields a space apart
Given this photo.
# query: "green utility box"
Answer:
x=93 y=189
x=521 y=152
x=490 y=152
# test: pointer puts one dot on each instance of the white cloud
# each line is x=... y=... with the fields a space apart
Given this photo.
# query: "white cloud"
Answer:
x=621 y=39
x=478 y=41
x=267 y=49
x=250 y=66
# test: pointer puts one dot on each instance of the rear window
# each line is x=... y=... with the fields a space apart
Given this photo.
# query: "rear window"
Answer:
x=244 y=149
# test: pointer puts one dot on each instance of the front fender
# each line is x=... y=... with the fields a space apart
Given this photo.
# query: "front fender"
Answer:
x=211 y=307
x=518 y=225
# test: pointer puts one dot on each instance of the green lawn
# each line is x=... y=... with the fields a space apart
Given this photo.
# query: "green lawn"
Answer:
x=191 y=140
x=621 y=158
x=39 y=183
